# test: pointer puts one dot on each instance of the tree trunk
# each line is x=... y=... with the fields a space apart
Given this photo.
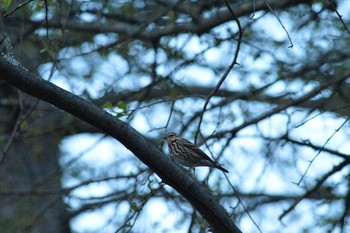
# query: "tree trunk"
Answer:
x=29 y=170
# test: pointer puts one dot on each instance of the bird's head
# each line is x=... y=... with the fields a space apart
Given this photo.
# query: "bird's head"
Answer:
x=169 y=137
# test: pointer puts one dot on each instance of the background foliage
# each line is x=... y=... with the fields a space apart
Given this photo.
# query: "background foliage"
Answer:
x=279 y=122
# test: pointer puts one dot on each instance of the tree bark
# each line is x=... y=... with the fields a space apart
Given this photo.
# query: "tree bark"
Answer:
x=146 y=151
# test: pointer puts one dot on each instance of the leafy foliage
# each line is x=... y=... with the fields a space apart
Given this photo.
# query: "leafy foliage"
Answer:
x=278 y=123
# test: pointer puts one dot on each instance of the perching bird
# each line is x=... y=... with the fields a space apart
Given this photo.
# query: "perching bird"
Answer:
x=188 y=154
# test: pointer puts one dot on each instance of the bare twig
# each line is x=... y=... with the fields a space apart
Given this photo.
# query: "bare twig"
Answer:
x=339 y=16
x=319 y=152
x=224 y=76
x=241 y=202
x=19 y=6
x=273 y=12
x=280 y=108
x=36 y=218
x=253 y=14
x=15 y=130
x=313 y=117
x=313 y=146
x=47 y=19
x=317 y=186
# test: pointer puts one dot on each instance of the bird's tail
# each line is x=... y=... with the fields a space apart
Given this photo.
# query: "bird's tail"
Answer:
x=218 y=166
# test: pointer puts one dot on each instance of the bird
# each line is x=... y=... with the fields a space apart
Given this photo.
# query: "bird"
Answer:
x=188 y=154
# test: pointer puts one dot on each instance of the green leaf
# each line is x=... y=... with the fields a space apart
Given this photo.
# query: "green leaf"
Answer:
x=135 y=207
x=122 y=109
x=23 y=124
x=122 y=105
x=107 y=105
x=6 y=3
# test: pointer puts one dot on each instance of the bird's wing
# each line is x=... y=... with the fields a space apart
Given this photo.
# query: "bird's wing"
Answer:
x=196 y=149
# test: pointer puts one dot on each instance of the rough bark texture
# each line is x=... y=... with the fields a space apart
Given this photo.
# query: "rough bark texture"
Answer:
x=172 y=175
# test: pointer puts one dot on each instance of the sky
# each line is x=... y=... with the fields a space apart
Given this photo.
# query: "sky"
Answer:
x=94 y=152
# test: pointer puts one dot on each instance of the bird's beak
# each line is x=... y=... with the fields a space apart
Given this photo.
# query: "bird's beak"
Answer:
x=164 y=138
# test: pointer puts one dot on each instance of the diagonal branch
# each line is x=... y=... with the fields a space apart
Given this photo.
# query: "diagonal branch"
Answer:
x=146 y=151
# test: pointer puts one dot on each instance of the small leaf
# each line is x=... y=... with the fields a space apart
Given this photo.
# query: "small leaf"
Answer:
x=122 y=105
x=107 y=105
x=135 y=207
x=23 y=124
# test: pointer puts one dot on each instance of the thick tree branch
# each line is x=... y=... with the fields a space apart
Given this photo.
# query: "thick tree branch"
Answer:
x=201 y=26
x=147 y=152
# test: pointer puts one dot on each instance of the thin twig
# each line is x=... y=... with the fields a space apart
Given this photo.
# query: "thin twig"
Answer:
x=224 y=76
x=317 y=186
x=252 y=16
x=313 y=146
x=37 y=217
x=319 y=152
x=241 y=202
x=327 y=110
x=339 y=16
x=280 y=108
x=15 y=130
x=47 y=19
x=273 y=12
x=19 y=6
